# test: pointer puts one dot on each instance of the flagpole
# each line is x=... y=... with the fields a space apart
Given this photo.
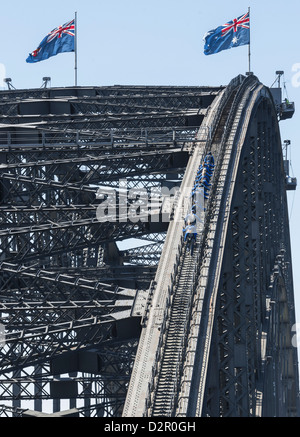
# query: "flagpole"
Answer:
x=249 y=49
x=75 y=48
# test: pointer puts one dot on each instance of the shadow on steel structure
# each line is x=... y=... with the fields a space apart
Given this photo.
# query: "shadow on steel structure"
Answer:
x=94 y=271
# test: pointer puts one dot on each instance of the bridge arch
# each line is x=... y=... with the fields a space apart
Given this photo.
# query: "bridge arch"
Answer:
x=256 y=235
x=150 y=330
x=246 y=227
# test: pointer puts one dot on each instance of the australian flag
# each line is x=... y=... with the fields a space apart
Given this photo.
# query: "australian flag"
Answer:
x=59 y=40
x=232 y=34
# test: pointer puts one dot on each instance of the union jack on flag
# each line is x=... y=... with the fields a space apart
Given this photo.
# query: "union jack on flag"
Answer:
x=232 y=34
x=234 y=25
x=68 y=28
x=59 y=40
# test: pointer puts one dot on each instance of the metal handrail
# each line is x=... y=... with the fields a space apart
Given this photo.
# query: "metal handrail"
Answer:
x=38 y=137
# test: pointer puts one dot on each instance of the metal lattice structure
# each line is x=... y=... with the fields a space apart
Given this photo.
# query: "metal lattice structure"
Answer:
x=105 y=312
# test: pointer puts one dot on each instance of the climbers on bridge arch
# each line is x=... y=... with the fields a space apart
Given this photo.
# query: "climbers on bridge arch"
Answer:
x=199 y=193
x=204 y=174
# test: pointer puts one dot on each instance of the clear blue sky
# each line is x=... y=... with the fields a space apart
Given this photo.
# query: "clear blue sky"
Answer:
x=160 y=43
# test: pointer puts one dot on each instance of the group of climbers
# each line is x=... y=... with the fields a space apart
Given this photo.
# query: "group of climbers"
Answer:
x=201 y=186
x=204 y=174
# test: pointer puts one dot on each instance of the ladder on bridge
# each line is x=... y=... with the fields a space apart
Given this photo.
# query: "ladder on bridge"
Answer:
x=174 y=341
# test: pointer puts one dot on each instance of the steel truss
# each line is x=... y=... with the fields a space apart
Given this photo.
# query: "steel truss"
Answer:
x=77 y=287
x=218 y=339
x=257 y=235
x=71 y=300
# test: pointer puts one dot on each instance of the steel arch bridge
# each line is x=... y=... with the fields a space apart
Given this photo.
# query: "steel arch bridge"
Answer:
x=105 y=311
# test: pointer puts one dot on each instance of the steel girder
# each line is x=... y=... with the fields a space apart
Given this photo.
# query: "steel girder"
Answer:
x=122 y=107
x=71 y=302
x=241 y=379
x=225 y=361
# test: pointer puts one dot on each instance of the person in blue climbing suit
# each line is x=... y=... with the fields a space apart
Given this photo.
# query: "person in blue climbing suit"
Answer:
x=190 y=237
x=201 y=184
x=204 y=179
x=199 y=189
x=209 y=159
x=192 y=217
x=204 y=175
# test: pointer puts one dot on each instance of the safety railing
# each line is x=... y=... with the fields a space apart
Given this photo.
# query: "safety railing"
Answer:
x=24 y=137
x=236 y=91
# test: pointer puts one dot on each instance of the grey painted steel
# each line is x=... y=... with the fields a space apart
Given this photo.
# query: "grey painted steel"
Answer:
x=71 y=301
x=149 y=344
x=236 y=384
x=147 y=330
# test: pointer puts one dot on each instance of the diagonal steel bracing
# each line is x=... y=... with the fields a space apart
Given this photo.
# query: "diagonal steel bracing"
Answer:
x=71 y=302
x=213 y=365
x=105 y=312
